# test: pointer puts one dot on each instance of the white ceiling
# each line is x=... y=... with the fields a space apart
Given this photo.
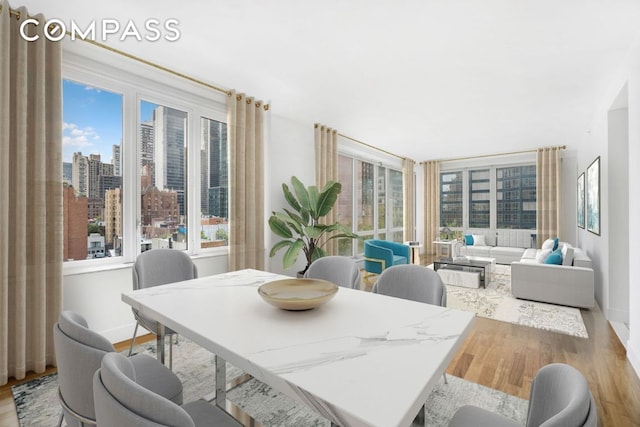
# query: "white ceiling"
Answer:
x=420 y=78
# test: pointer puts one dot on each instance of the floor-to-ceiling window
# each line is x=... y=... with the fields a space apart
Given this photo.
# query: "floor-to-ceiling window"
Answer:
x=370 y=203
x=145 y=165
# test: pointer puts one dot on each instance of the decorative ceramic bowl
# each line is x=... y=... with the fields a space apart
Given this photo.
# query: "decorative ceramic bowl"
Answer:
x=298 y=294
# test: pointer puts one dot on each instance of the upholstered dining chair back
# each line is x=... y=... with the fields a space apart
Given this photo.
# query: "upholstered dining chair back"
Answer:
x=560 y=396
x=341 y=270
x=79 y=352
x=122 y=400
x=159 y=267
x=412 y=282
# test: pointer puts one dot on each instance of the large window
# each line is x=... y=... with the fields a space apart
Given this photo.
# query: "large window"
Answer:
x=372 y=195
x=479 y=198
x=451 y=199
x=516 y=197
x=491 y=198
x=145 y=164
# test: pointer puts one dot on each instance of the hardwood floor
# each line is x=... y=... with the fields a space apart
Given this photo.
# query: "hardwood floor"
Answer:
x=506 y=357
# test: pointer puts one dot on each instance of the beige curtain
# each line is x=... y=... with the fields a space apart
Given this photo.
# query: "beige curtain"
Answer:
x=408 y=199
x=431 y=171
x=548 y=193
x=30 y=196
x=245 y=118
x=326 y=150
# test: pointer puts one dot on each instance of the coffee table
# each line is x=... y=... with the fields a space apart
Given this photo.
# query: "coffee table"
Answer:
x=462 y=269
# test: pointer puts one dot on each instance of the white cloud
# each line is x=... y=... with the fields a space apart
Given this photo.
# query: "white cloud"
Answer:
x=91 y=88
x=78 y=138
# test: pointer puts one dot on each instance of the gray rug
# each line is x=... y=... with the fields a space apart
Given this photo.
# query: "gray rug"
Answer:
x=37 y=404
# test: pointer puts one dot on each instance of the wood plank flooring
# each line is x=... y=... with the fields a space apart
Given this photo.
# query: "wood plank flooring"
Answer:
x=506 y=357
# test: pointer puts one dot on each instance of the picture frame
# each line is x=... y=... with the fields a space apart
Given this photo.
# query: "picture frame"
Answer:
x=580 y=200
x=592 y=184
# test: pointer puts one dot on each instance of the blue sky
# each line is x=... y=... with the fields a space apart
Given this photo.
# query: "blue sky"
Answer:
x=92 y=120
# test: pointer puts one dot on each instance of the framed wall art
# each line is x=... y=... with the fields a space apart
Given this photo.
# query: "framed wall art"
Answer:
x=593 y=197
x=580 y=199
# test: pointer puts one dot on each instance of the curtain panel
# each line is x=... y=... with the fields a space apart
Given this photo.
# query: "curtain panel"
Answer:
x=548 y=193
x=245 y=119
x=431 y=174
x=30 y=196
x=326 y=158
x=408 y=199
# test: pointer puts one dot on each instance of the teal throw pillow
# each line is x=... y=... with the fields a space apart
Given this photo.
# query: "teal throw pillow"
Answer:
x=554 y=258
x=468 y=239
x=555 y=243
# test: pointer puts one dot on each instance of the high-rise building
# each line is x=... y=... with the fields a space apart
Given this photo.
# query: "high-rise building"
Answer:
x=67 y=173
x=116 y=160
x=80 y=174
x=113 y=218
x=75 y=224
x=218 y=170
x=146 y=152
x=170 y=127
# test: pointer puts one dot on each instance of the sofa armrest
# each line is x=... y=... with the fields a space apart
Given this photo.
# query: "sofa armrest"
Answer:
x=556 y=284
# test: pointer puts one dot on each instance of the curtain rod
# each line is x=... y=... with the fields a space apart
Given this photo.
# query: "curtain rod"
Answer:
x=227 y=92
x=510 y=153
x=372 y=147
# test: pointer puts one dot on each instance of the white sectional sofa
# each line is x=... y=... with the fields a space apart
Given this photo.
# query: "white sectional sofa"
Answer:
x=569 y=284
x=506 y=246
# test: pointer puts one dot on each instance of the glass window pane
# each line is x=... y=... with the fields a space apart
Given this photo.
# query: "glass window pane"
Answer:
x=516 y=197
x=382 y=198
x=92 y=196
x=479 y=194
x=163 y=167
x=214 y=184
x=345 y=202
x=451 y=199
x=396 y=198
x=364 y=186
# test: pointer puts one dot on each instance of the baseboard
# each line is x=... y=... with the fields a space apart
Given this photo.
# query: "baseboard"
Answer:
x=622 y=331
x=617 y=315
x=634 y=359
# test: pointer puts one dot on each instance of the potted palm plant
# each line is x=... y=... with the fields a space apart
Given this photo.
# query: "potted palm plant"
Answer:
x=300 y=226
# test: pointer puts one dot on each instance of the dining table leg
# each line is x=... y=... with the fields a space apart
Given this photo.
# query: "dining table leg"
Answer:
x=221 y=381
x=160 y=342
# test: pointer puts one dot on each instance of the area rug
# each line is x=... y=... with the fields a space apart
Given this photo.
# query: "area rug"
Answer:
x=37 y=404
x=496 y=302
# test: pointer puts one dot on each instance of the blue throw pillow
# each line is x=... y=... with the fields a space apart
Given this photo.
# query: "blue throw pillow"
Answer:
x=555 y=244
x=554 y=257
x=468 y=239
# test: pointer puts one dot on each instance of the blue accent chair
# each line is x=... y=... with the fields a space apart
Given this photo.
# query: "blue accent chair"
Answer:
x=382 y=254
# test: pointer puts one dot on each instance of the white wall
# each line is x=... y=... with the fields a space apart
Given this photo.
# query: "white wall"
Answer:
x=600 y=142
x=618 y=190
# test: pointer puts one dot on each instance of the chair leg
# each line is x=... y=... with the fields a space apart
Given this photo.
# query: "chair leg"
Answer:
x=170 y=354
x=444 y=375
x=133 y=340
x=60 y=418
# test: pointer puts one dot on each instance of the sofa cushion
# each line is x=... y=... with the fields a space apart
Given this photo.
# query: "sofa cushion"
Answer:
x=468 y=239
x=529 y=254
x=478 y=240
x=542 y=254
x=554 y=257
x=547 y=244
x=567 y=255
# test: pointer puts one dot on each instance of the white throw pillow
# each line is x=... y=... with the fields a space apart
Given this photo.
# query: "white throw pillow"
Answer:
x=567 y=255
x=542 y=255
x=478 y=240
x=548 y=244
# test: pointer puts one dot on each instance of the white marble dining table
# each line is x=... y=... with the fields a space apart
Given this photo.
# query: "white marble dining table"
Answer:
x=361 y=359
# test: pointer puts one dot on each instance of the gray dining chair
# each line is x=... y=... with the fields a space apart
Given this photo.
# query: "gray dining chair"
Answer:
x=154 y=268
x=121 y=400
x=559 y=397
x=79 y=352
x=341 y=270
x=415 y=283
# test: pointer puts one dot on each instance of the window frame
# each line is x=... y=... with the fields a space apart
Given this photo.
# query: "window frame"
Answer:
x=136 y=82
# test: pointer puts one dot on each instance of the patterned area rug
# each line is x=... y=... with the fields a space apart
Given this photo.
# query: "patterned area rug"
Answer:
x=496 y=302
x=37 y=404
